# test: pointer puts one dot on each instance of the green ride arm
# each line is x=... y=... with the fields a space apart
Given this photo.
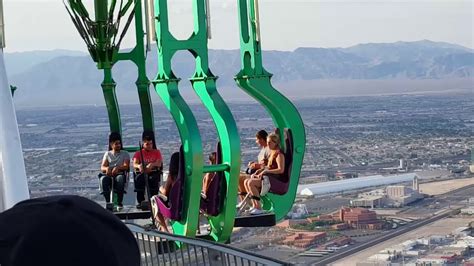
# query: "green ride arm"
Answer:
x=256 y=81
x=204 y=85
x=100 y=36
x=188 y=130
x=166 y=85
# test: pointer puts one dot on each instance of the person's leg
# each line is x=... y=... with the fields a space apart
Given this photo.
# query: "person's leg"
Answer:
x=254 y=189
x=247 y=186
x=105 y=184
x=242 y=190
x=154 y=183
x=139 y=181
x=161 y=220
x=205 y=183
x=165 y=190
x=119 y=188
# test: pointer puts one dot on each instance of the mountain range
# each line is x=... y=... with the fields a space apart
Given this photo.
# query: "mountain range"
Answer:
x=71 y=76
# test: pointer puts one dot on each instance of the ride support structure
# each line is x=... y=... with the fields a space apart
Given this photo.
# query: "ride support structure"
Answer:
x=103 y=37
x=100 y=36
x=204 y=84
x=256 y=81
x=13 y=181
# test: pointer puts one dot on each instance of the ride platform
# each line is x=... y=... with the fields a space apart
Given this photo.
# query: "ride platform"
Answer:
x=132 y=213
x=262 y=220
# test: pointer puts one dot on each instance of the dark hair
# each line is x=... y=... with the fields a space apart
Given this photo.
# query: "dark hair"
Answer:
x=113 y=137
x=213 y=155
x=174 y=164
x=149 y=135
x=262 y=134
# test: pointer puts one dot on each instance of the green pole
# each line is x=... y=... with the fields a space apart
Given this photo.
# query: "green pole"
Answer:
x=108 y=88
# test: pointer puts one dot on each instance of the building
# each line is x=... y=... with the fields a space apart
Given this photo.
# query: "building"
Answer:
x=345 y=175
x=352 y=184
x=304 y=240
x=339 y=227
x=370 y=201
x=360 y=218
x=291 y=222
x=392 y=196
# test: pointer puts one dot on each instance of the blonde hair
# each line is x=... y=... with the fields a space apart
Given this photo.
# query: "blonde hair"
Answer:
x=274 y=137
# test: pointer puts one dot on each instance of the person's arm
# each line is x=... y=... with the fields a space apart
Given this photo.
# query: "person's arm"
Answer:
x=104 y=166
x=158 y=162
x=136 y=162
x=165 y=190
x=281 y=166
x=125 y=165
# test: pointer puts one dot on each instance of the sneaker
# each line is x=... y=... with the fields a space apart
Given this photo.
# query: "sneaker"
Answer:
x=120 y=207
x=240 y=204
x=255 y=211
x=203 y=195
x=139 y=206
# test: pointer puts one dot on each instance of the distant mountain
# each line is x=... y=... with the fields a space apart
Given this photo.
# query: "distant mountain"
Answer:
x=73 y=77
x=22 y=61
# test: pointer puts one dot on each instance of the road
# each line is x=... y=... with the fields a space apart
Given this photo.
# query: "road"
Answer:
x=353 y=249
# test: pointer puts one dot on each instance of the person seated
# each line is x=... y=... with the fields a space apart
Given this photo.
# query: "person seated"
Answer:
x=153 y=162
x=172 y=174
x=275 y=168
x=262 y=159
x=115 y=165
x=206 y=181
x=164 y=192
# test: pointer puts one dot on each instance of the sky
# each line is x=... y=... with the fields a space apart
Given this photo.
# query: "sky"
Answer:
x=285 y=24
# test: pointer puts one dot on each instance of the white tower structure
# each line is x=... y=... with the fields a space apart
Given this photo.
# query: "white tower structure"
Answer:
x=13 y=182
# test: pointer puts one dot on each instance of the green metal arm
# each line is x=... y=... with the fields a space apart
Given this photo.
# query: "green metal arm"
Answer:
x=100 y=37
x=255 y=81
x=203 y=82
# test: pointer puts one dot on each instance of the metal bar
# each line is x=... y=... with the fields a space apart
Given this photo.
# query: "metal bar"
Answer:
x=245 y=256
x=151 y=254
x=169 y=250
x=203 y=255
x=257 y=20
x=176 y=256
x=189 y=254
x=195 y=255
x=215 y=168
x=149 y=23
x=162 y=250
x=144 y=250
x=208 y=20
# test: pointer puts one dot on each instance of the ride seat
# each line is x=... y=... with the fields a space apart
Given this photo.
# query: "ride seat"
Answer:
x=215 y=193
x=172 y=209
x=278 y=186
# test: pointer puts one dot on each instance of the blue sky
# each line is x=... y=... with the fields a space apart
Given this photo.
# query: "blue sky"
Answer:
x=285 y=25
